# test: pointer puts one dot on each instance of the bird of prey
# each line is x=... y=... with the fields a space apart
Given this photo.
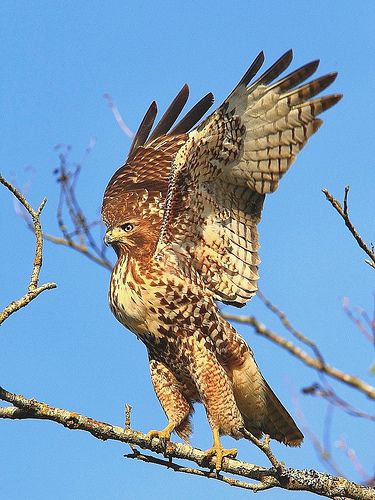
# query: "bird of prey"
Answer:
x=182 y=215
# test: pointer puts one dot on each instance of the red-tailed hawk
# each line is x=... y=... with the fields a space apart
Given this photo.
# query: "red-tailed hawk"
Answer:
x=182 y=217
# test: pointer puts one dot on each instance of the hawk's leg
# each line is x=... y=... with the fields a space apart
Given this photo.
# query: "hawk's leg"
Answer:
x=175 y=405
x=216 y=393
x=218 y=451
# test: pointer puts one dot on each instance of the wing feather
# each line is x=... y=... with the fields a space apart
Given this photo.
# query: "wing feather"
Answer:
x=274 y=71
x=220 y=176
x=194 y=115
x=171 y=114
x=143 y=129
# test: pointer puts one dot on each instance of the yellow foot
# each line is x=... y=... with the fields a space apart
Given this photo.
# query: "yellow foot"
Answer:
x=220 y=453
x=164 y=435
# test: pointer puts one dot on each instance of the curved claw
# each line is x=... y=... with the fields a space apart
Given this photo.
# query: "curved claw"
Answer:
x=164 y=435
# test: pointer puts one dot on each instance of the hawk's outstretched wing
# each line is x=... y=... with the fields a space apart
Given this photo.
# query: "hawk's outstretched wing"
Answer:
x=220 y=176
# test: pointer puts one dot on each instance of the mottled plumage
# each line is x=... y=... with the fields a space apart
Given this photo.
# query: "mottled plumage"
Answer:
x=182 y=216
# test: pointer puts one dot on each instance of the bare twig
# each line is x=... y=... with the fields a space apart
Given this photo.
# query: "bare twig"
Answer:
x=346 y=378
x=287 y=324
x=81 y=248
x=128 y=410
x=33 y=289
x=118 y=117
x=68 y=182
x=331 y=396
x=361 y=321
x=277 y=476
x=76 y=233
x=264 y=445
x=352 y=456
x=344 y=214
x=346 y=192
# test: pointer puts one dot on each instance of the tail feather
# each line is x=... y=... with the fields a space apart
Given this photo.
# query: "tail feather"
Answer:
x=259 y=406
x=278 y=423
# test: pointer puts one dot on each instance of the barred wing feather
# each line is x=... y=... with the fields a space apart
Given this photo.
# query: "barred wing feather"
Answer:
x=220 y=176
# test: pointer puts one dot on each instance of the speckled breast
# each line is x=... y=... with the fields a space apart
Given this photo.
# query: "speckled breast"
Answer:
x=126 y=299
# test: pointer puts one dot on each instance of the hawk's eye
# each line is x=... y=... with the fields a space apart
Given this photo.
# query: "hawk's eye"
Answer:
x=127 y=227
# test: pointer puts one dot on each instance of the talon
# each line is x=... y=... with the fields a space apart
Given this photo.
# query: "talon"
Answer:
x=164 y=435
x=218 y=451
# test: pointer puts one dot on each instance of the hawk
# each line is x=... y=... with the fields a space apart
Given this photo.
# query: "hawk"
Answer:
x=182 y=215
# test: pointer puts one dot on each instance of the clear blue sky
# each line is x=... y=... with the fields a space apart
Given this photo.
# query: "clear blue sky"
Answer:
x=57 y=60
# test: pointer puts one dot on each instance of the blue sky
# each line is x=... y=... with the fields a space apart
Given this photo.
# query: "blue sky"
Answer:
x=57 y=61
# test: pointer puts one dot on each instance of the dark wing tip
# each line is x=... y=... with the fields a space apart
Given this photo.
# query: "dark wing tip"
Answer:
x=328 y=101
x=286 y=58
x=296 y=77
x=324 y=82
x=311 y=67
x=171 y=114
x=334 y=99
x=289 y=55
x=253 y=69
x=332 y=76
x=194 y=115
x=143 y=129
x=276 y=69
x=168 y=119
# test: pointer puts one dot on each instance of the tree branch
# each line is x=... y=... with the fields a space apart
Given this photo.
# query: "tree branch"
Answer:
x=276 y=476
x=333 y=372
x=344 y=214
x=33 y=289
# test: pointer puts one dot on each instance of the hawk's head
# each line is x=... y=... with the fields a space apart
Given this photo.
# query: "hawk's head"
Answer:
x=133 y=221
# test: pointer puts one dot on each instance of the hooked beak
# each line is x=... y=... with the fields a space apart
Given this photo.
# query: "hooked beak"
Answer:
x=112 y=235
x=108 y=237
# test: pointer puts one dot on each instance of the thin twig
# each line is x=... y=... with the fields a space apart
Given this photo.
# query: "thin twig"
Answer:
x=344 y=214
x=352 y=456
x=279 y=476
x=346 y=192
x=331 y=396
x=358 y=322
x=287 y=324
x=327 y=391
x=79 y=248
x=128 y=410
x=33 y=288
x=80 y=237
x=118 y=117
x=264 y=445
